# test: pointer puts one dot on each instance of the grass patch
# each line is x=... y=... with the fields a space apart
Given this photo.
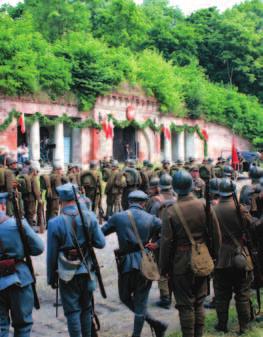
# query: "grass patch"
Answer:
x=256 y=329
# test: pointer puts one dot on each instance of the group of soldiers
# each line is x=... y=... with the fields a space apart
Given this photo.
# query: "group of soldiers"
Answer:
x=177 y=209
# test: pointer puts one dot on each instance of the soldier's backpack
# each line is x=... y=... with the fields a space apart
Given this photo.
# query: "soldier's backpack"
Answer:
x=45 y=185
x=24 y=184
x=132 y=176
x=106 y=172
x=88 y=179
x=2 y=177
x=202 y=263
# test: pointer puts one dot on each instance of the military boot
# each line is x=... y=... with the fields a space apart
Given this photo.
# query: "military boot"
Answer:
x=187 y=321
x=165 y=302
x=158 y=327
x=138 y=325
x=243 y=313
x=222 y=316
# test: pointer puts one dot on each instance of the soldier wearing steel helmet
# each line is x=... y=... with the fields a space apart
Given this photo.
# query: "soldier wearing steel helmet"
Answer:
x=189 y=290
x=232 y=273
x=198 y=183
x=133 y=181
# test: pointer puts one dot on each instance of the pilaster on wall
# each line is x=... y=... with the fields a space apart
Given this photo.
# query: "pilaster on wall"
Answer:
x=95 y=145
x=167 y=149
x=59 y=141
x=181 y=146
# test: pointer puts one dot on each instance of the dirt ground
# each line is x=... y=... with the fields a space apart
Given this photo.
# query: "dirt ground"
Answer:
x=116 y=320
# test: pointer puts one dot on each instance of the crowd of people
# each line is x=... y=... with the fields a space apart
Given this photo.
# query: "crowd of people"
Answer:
x=186 y=214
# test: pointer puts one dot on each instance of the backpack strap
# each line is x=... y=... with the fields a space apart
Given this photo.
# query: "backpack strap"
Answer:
x=135 y=230
x=184 y=223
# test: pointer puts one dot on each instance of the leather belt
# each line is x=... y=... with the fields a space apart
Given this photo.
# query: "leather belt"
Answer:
x=183 y=248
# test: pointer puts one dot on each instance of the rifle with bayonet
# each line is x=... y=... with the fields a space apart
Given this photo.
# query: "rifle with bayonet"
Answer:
x=90 y=248
x=25 y=246
x=251 y=249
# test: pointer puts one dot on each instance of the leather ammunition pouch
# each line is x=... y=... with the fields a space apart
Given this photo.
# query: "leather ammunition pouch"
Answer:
x=8 y=267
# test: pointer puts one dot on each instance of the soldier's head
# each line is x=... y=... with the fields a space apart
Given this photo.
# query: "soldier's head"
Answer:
x=131 y=163
x=179 y=163
x=226 y=188
x=66 y=193
x=77 y=167
x=166 y=164
x=57 y=168
x=33 y=170
x=210 y=160
x=154 y=186
x=138 y=197
x=255 y=173
x=228 y=171
x=146 y=163
x=11 y=163
x=182 y=182
x=214 y=188
x=194 y=171
x=191 y=160
x=3 y=199
x=246 y=195
x=93 y=164
x=71 y=168
x=166 y=182
x=115 y=165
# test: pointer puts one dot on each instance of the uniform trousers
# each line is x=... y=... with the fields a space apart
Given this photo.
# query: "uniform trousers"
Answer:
x=134 y=291
x=16 y=303
x=76 y=300
x=190 y=292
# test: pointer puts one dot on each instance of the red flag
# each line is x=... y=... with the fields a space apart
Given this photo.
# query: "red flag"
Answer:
x=235 y=160
x=21 y=123
x=205 y=134
x=105 y=127
x=167 y=132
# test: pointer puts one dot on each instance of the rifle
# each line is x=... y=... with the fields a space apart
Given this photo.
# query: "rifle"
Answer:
x=90 y=248
x=206 y=175
x=252 y=251
x=101 y=212
x=26 y=248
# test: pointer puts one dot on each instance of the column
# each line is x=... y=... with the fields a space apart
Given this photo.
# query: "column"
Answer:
x=58 y=158
x=35 y=143
x=167 y=149
x=76 y=145
x=181 y=146
x=190 y=145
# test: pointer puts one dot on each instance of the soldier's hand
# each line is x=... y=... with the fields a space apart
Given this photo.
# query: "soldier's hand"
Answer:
x=152 y=245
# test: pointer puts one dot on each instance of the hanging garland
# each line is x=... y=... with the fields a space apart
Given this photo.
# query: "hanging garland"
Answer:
x=158 y=128
x=47 y=121
x=91 y=123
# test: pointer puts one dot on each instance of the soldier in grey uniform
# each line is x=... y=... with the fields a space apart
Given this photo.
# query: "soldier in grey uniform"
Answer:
x=16 y=295
x=133 y=286
x=198 y=183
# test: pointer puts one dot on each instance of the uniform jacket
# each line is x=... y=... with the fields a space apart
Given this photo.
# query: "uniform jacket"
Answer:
x=157 y=201
x=11 y=247
x=173 y=234
x=227 y=217
x=55 y=181
x=60 y=238
x=148 y=225
x=199 y=188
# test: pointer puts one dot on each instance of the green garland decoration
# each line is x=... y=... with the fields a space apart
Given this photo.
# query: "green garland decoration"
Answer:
x=91 y=123
x=44 y=120
x=150 y=123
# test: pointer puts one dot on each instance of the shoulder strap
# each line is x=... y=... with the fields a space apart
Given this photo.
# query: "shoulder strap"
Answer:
x=135 y=229
x=235 y=241
x=184 y=223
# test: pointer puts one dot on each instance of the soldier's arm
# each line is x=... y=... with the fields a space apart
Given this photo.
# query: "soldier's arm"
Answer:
x=9 y=178
x=109 y=227
x=52 y=252
x=36 y=245
x=166 y=245
x=98 y=238
x=36 y=189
